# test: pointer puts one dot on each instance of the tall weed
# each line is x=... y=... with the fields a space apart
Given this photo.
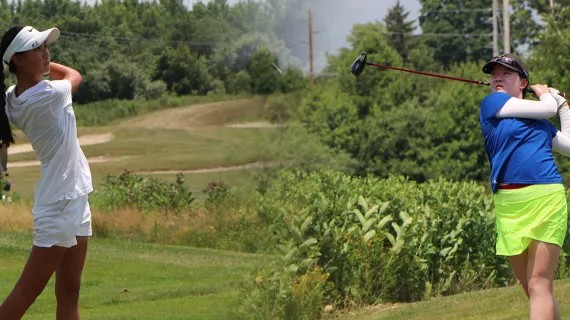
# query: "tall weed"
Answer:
x=144 y=193
x=149 y=209
x=381 y=240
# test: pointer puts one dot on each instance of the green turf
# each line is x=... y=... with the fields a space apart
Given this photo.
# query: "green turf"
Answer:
x=502 y=303
x=160 y=149
x=124 y=280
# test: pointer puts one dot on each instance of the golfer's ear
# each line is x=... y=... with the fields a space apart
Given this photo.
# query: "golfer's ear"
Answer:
x=17 y=60
x=524 y=83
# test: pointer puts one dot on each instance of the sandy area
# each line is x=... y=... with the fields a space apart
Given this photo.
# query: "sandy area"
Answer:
x=83 y=140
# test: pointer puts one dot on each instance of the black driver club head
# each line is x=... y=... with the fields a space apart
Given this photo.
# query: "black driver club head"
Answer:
x=358 y=65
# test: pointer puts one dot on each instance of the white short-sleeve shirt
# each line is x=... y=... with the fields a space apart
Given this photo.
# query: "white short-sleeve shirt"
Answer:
x=45 y=114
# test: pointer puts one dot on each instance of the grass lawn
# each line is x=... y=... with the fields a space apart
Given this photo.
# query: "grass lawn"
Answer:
x=143 y=150
x=206 y=143
x=125 y=280
x=504 y=303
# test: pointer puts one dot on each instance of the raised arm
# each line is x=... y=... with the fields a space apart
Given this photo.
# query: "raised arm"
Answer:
x=564 y=114
x=545 y=108
x=502 y=105
x=561 y=142
x=61 y=72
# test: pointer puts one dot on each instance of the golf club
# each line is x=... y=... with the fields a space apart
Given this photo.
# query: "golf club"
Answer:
x=361 y=62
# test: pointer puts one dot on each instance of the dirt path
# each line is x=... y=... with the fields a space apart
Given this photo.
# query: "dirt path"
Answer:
x=85 y=140
x=20 y=164
x=213 y=114
x=216 y=114
x=254 y=125
x=247 y=166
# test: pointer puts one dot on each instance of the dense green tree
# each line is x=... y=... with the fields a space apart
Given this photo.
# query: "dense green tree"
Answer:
x=400 y=30
x=183 y=72
x=459 y=30
x=123 y=47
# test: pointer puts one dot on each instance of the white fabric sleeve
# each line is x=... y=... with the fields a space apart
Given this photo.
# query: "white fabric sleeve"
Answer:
x=561 y=144
x=529 y=109
x=564 y=114
x=60 y=95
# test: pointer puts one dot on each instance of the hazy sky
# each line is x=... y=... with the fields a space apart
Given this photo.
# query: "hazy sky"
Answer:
x=333 y=20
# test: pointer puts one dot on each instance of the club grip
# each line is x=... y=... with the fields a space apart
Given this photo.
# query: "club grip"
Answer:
x=530 y=90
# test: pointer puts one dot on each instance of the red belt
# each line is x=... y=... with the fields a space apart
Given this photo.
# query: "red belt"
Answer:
x=514 y=186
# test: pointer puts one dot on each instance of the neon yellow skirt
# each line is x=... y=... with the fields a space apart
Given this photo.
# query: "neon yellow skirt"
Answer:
x=537 y=212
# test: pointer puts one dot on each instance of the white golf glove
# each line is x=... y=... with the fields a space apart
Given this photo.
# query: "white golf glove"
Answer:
x=560 y=100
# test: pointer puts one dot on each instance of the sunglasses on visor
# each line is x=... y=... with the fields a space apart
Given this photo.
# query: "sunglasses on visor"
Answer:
x=511 y=62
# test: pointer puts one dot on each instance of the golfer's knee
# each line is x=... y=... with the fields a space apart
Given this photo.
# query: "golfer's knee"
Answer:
x=68 y=292
x=538 y=285
x=525 y=288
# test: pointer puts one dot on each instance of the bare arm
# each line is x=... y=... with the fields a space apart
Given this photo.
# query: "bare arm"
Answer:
x=61 y=72
x=529 y=109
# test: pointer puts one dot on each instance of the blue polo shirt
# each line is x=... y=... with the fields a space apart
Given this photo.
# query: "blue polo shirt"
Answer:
x=519 y=150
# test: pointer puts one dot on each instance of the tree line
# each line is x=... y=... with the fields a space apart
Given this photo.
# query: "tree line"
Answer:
x=389 y=122
x=396 y=123
x=140 y=50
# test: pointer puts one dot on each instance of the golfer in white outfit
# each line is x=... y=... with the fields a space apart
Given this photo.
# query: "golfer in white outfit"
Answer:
x=42 y=109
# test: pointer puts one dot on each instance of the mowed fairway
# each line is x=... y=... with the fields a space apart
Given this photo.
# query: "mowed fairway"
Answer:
x=169 y=141
x=497 y=304
x=129 y=280
x=124 y=280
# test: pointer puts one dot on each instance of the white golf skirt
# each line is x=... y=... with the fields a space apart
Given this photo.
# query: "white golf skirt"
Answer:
x=57 y=224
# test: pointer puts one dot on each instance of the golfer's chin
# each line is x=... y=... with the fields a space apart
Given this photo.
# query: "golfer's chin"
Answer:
x=46 y=69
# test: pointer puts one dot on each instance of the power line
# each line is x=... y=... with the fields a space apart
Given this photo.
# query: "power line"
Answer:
x=132 y=39
x=442 y=34
x=456 y=11
x=101 y=36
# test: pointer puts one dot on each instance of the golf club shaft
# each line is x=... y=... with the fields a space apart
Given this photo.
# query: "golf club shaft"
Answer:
x=428 y=74
x=440 y=76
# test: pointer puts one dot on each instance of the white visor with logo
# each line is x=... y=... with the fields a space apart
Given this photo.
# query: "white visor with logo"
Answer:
x=29 y=38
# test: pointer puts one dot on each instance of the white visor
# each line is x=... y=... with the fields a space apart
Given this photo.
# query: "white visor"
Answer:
x=29 y=38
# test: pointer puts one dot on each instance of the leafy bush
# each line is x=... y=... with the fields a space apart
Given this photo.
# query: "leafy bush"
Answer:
x=281 y=108
x=7 y=197
x=146 y=193
x=134 y=207
x=150 y=90
x=106 y=111
x=381 y=240
x=215 y=191
x=184 y=71
x=238 y=83
x=284 y=296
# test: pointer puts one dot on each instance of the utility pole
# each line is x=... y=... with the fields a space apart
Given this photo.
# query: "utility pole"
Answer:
x=506 y=27
x=495 y=29
x=311 y=50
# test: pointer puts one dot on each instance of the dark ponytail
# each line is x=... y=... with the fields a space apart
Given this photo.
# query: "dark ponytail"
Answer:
x=6 y=135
